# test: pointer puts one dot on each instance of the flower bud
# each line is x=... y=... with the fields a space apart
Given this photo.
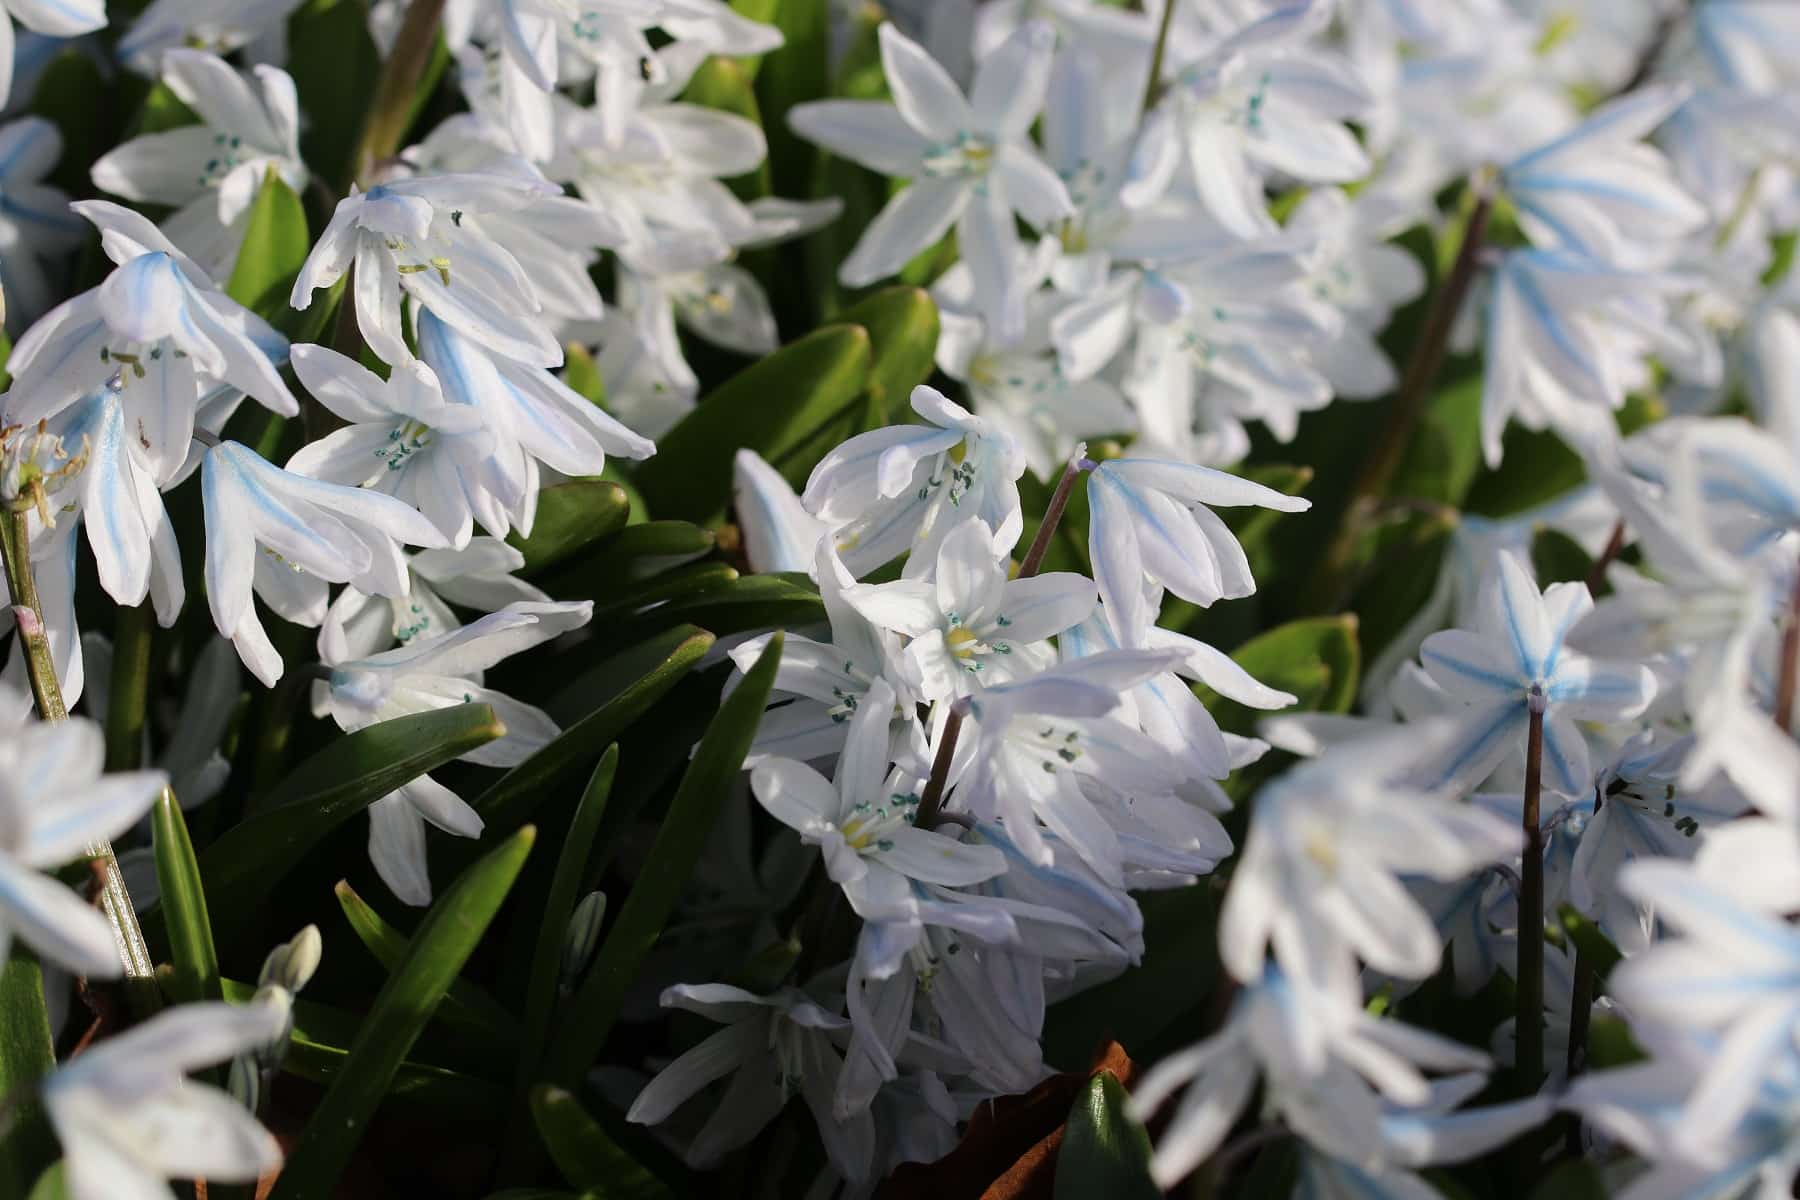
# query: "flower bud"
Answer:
x=582 y=936
x=291 y=965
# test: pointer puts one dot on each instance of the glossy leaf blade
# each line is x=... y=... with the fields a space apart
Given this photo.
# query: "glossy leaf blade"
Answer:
x=1104 y=1151
x=702 y=792
x=183 y=905
x=276 y=243
x=584 y=1153
x=434 y=958
x=245 y=864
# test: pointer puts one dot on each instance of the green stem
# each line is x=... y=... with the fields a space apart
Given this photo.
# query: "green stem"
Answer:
x=1153 y=86
x=1331 y=583
x=128 y=703
x=115 y=900
x=391 y=112
x=1529 y=1042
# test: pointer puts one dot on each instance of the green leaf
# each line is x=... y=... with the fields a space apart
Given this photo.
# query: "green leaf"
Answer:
x=446 y=938
x=318 y=1048
x=772 y=407
x=27 y=1056
x=582 y=374
x=276 y=242
x=1610 y=1043
x=1315 y=659
x=565 y=884
x=632 y=553
x=1558 y=558
x=752 y=602
x=631 y=683
x=1596 y=948
x=466 y=1007
x=1104 y=1151
x=1572 y=1181
x=703 y=791
x=183 y=904
x=53 y=1184
x=584 y=1153
x=243 y=866
x=334 y=63
x=69 y=95
x=681 y=584
x=570 y=517
x=793 y=73
x=723 y=84
x=162 y=111
x=1445 y=454
x=902 y=323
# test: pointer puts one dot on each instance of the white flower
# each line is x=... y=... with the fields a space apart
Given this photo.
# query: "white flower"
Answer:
x=211 y=172
x=1729 y=970
x=779 y=534
x=1150 y=520
x=1257 y=103
x=1043 y=747
x=407 y=238
x=772 y=1046
x=128 y=1119
x=968 y=158
x=864 y=823
x=1319 y=878
x=903 y=488
x=1598 y=190
x=436 y=672
x=969 y=625
x=830 y=681
x=122 y=512
x=1564 y=334
x=478 y=577
x=407 y=441
x=36 y=228
x=55 y=18
x=1518 y=656
x=1321 y=1060
x=160 y=327
x=524 y=406
x=287 y=536
x=220 y=26
x=54 y=802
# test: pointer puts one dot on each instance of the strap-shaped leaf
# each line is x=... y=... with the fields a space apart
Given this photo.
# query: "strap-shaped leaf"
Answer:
x=634 y=552
x=703 y=791
x=276 y=242
x=679 y=585
x=798 y=70
x=624 y=687
x=752 y=602
x=571 y=517
x=27 y=1055
x=903 y=330
x=1104 y=1151
x=245 y=864
x=183 y=904
x=319 y=1045
x=53 y=1184
x=434 y=958
x=772 y=406
x=466 y=1007
x=565 y=885
x=584 y=1153
x=1596 y=948
x=332 y=59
